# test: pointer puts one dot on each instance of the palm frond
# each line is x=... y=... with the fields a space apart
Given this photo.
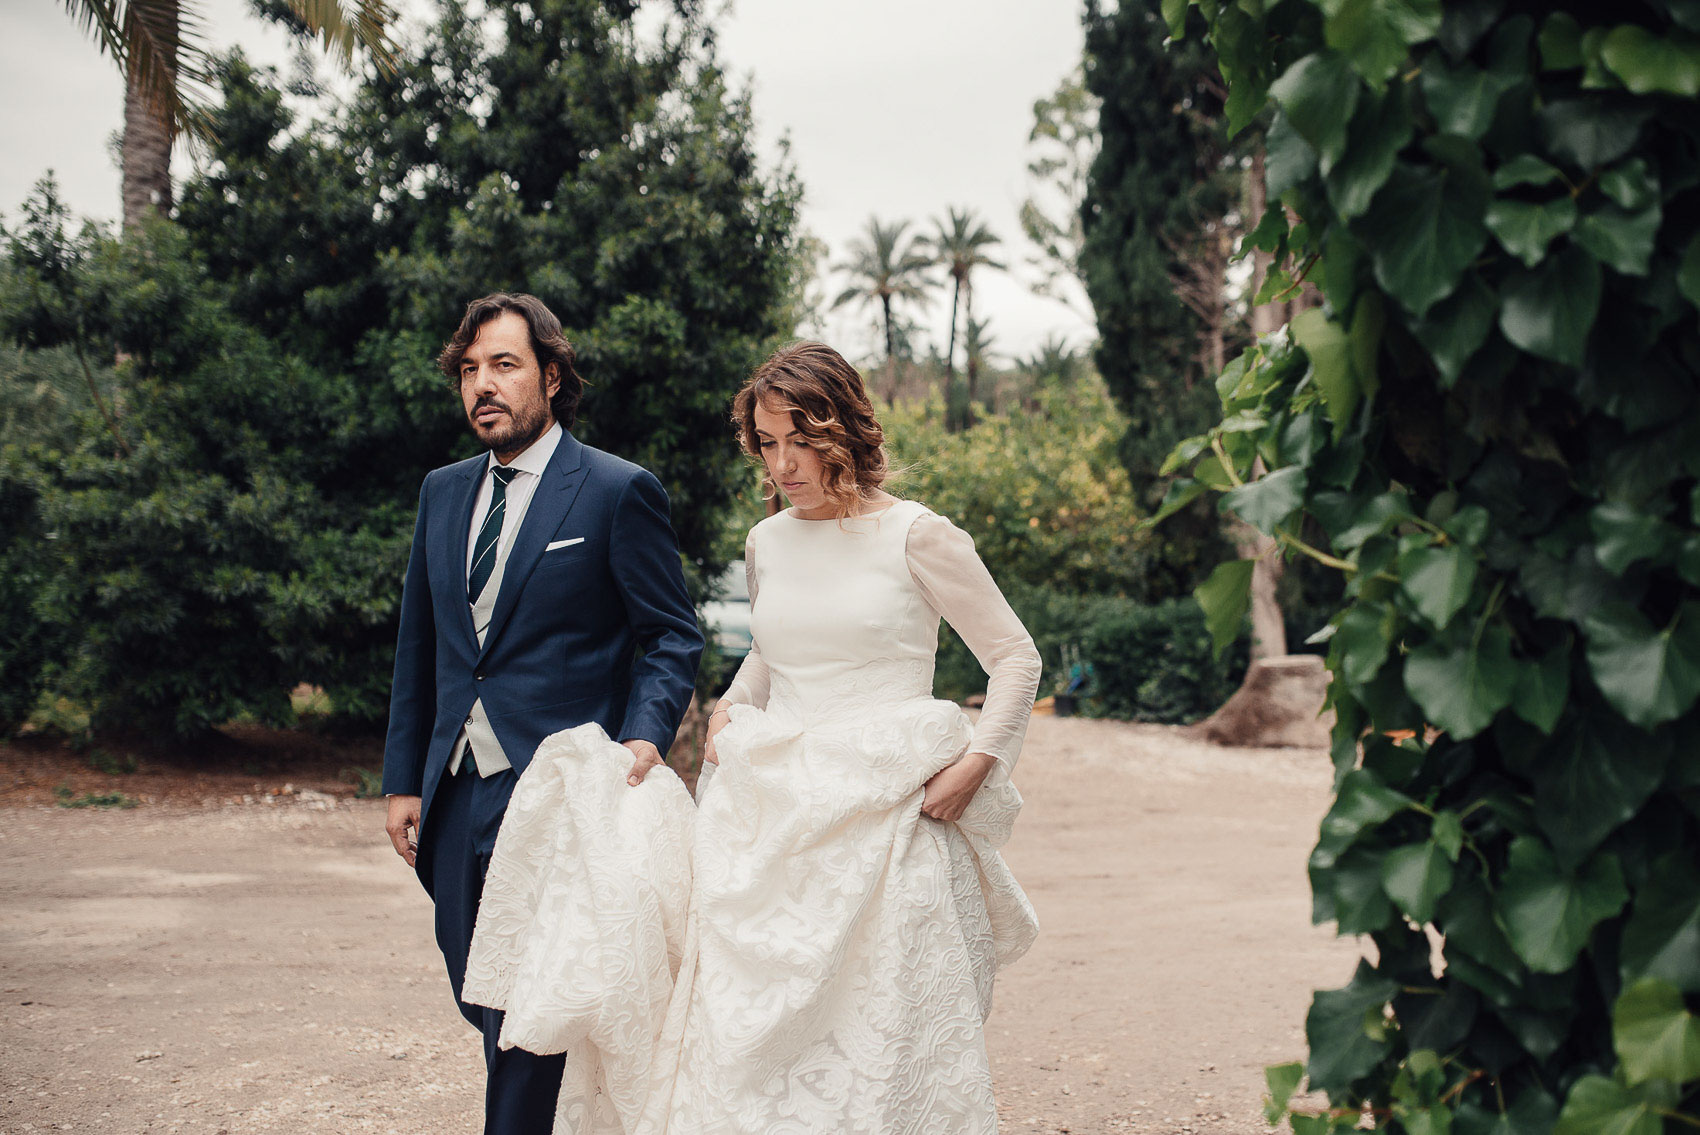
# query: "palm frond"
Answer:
x=365 y=28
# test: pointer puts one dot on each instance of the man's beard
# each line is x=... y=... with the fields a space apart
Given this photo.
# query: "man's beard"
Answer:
x=518 y=432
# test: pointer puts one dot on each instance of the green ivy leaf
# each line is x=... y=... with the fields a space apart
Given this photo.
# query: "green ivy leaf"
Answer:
x=1283 y=1081
x=1588 y=132
x=1424 y=229
x=1319 y=94
x=1532 y=1113
x=1448 y=834
x=1361 y=644
x=1662 y=937
x=1548 y=913
x=1326 y=344
x=1591 y=784
x=1226 y=598
x=1415 y=876
x=1598 y=1106
x=1363 y=802
x=1465 y=915
x=1182 y=493
x=1549 y=310
x=1656 y=1037
x=1377 y=34
x=1456 y=327
x=1438 y=580
x=1688 y=273
x=1288 y=159
x=1462 y=684
x=1624 y=535
x=1620 y=239
x=1267 y=501
x=1360 y=906
x=1369 y=319
x=1525 y=228
x=1341 y=1048
x=1464 y=98
x=1174 y=14
x=1381 y=128
x=1648 y=675
x=1561 y=43
x=1631 y=185
x=1650 y=64
x=1525 y=169
x=1543 y=689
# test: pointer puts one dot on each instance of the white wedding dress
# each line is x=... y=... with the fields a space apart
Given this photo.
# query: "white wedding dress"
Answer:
x=836 y=965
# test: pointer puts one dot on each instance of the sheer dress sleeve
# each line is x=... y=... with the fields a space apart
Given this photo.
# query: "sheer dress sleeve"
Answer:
x=750 y=684
x=955 y=582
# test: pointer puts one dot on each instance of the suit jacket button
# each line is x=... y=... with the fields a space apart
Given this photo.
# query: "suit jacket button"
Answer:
x=479 y=675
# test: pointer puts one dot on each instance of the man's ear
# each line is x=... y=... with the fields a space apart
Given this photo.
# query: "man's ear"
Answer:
x=552 y=380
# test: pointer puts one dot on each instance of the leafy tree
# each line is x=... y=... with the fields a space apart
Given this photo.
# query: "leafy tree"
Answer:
x=960 y=246
x=1158 y=194
x=1065 y=131
x=157 y=44
x=888 y=268
x=1490 y=431
x=246 y=527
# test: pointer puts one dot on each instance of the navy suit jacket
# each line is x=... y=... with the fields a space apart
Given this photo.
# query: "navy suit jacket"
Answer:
x=567 y=628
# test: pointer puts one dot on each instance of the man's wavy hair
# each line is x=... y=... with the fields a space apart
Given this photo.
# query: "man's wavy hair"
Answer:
x=548 y=343
x=829 y=406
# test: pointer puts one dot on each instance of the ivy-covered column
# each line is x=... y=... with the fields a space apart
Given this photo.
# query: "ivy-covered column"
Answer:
x=1492 y=430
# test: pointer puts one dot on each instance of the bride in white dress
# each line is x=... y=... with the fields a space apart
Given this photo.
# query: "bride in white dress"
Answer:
x=851 y=904
x=848 y=905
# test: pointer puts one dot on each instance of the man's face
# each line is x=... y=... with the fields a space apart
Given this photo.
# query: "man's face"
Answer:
x=505 y=392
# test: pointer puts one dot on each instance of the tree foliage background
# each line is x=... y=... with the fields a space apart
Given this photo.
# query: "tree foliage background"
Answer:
x=1158 y=195
x=1493 y=424
x=241 y=523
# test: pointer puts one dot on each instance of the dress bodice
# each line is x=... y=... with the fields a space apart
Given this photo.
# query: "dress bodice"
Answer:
x=844 y=615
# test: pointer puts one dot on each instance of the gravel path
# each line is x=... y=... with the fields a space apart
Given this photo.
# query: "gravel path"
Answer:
x=256 y=967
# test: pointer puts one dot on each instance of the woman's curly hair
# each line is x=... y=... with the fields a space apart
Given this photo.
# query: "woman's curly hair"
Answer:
x=829 y=406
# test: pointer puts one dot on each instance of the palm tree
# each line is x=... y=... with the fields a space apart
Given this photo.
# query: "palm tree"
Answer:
x=887 y=268
x=960 y=247
x=157 y=45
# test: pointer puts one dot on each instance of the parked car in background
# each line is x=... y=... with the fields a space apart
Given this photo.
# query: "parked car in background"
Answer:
x=728 y=613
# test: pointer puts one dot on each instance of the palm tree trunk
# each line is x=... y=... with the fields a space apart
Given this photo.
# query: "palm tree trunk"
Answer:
x=146 y=157
x=1268 y=631
x=950 y=422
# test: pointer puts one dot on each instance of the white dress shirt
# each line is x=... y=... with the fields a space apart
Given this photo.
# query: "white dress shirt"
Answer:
x=529 y=466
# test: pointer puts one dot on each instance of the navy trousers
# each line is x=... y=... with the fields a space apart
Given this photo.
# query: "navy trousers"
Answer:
x=454 y=855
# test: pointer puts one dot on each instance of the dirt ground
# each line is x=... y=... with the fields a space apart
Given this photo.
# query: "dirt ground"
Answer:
x=226 y=957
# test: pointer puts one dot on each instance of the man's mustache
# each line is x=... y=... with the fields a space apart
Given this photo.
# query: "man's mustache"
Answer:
x=496 y=403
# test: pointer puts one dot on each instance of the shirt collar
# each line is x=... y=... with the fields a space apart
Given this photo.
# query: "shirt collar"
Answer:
x=535 y=457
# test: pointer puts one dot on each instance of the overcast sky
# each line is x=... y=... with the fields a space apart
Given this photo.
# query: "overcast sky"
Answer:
x=896 y=108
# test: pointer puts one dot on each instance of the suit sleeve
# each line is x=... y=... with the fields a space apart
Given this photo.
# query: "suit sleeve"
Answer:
x=413 y=692
x=644 y=554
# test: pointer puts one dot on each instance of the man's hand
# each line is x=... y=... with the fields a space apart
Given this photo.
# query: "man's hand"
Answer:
x=951 y=788
x=404 y=814
x=648 y=756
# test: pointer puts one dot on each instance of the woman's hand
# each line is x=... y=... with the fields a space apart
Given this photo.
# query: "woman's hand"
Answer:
x=716 y=722
x=952 y=788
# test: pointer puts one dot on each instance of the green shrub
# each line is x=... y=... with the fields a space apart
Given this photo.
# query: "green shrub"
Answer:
x=1152 y=662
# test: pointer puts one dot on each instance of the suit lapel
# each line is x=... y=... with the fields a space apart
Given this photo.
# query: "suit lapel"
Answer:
x=463 y=495
x=556 y=491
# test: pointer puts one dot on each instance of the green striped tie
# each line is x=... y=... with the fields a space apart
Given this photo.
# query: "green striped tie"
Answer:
x=489 y=534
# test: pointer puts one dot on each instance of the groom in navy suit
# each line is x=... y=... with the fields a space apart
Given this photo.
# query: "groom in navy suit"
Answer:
x=543 y=591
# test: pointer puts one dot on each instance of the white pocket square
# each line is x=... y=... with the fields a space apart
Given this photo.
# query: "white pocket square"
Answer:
x=564 y=543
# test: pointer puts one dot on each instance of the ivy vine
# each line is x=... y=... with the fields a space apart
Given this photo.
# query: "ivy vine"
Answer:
x=1492 y=428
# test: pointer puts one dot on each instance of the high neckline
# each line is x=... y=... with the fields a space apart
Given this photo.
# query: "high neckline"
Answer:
x=791 y=514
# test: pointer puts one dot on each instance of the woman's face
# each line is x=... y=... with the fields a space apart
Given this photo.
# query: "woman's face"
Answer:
x=792 y=462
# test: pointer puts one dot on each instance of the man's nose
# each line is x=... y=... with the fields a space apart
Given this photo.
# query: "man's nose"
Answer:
x=483 y=381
